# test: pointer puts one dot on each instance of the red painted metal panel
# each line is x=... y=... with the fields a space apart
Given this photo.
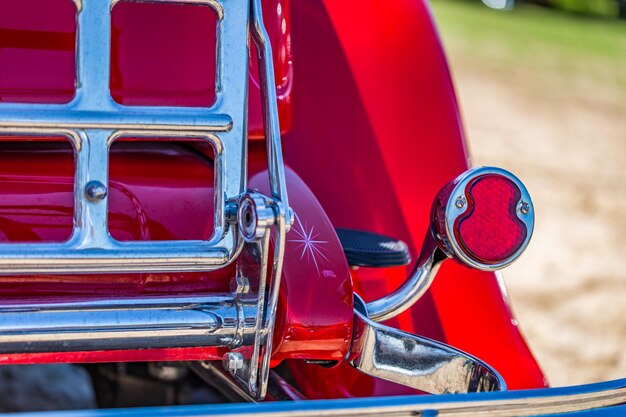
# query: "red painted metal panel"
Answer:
x=37 y=50
x=316 y=305
x=376 y=134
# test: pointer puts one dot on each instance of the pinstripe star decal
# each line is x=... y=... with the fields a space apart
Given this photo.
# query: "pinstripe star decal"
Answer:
x=311 y=246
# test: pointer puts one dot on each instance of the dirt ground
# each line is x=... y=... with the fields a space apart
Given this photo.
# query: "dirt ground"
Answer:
x=566 y=139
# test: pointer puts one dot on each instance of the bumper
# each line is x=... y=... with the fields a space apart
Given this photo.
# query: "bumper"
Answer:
x=600 y=399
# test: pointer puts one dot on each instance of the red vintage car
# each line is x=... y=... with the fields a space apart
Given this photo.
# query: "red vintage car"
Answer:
x=255 y=198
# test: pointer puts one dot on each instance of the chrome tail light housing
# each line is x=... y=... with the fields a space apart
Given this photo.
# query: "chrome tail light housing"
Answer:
x=483 y=219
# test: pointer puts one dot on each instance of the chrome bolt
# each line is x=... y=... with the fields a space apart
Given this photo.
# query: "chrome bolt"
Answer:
x=95 y=191
x=255 y=217
x=524 y=208
x=460 y=202
x=233 y=361
x=240 y=285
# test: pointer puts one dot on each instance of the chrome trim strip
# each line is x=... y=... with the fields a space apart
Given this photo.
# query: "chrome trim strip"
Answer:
x=604 y=399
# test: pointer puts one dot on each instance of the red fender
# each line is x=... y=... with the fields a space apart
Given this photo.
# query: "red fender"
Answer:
x=315 y=305
x=376 y=134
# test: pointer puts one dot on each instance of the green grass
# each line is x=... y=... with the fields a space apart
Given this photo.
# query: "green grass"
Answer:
x=529 y=41
x=527 y=28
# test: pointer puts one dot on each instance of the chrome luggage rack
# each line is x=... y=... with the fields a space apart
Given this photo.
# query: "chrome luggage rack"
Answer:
x=243 y=221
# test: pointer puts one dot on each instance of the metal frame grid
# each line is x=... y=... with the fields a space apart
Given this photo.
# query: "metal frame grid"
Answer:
x=93 y=120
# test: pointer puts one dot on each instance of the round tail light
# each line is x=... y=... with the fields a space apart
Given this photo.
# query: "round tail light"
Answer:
x=484 y=218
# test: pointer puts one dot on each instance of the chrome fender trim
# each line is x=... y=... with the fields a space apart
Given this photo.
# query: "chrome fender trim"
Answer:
x=600 y=399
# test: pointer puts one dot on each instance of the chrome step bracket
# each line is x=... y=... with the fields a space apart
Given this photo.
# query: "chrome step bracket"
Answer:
x=414 y=361
x=243 y=320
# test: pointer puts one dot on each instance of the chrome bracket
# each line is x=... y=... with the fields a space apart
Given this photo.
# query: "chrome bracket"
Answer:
x=262 y=219
x=415 y=361
x=262 y=223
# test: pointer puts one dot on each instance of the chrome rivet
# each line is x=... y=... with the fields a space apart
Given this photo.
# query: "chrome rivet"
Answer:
x=240 y=285
x=524 y=208
x=233 y=361
x=460 y=202
x=95 y=191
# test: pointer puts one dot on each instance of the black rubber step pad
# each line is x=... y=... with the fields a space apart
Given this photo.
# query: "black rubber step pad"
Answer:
x=373 y=250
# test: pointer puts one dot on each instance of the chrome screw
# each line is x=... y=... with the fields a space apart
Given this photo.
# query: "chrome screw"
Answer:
x=95 y=191
x=524 y=208
x=460 y=202
x=240 y=285
x=233 y=361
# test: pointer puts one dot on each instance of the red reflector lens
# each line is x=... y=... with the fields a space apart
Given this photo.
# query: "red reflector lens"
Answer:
x=490 y=231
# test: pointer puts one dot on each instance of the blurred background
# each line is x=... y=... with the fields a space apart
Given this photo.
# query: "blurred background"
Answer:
x=542 y=88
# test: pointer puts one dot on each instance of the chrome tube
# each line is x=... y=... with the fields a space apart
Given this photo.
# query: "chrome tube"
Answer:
x=413 y=288
x=126 y=324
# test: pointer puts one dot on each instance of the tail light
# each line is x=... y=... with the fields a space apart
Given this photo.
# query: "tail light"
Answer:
x=484 y=218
